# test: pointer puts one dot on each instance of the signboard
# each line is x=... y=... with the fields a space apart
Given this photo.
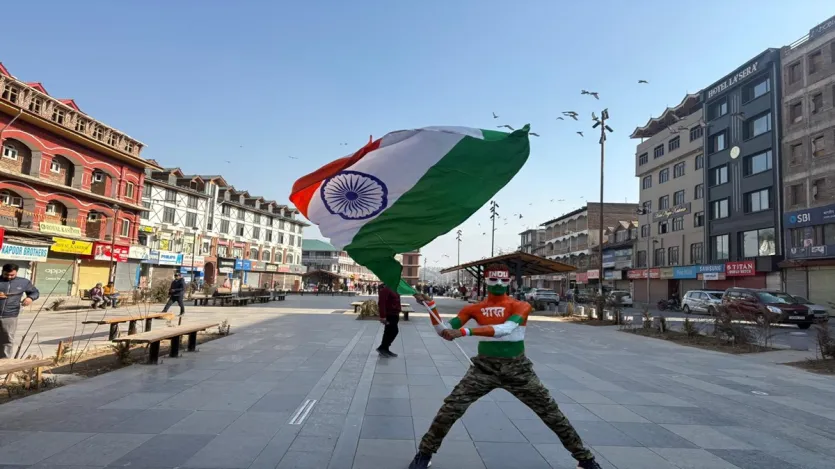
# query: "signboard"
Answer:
x=284 y=268
x=666 y=272
x=811 y=251
x=239 y=245
x=225 y=265
x=613 y=274
x=740 y=269
x=608 y=259
x=272 y=268
x=190 y=260
x=593 y=274
x=740 y=75
x=582 y=277
x=139 y=252
x=71 y=246
x=103 y=252
x=243 y=264
x=146 y=229
x=167 y=257
x=711 y=276
x=222 y=242
x=258 y=266
x=666 y=213
x=822 y=28
x=711 y=268
x=642 y=273
x=688 y=271
x=24 y=253
x=59 y=229
x=810 y=217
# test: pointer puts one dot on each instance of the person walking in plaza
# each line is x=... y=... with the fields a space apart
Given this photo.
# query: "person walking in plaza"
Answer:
x=175 y=293
x=500 y=363
x=12 y=289
x=388 y=303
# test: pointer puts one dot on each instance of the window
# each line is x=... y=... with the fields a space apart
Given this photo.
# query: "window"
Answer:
x=758 y=243
x=816 y=103
x=256 y=218
x=818 y=146
x=7 y=199
x=292 y=240
x=98 y=176
x=696 y=253
x=796 y=153
x=756 y=89
x=820 y=235
x=642 y=259
x=758 y=125
x=644 y=231
x=646 y=182
x=52 y=208
x=758 y=163
x=794 y=72
x=289 y=258
x=699 y=191
x=98 y=133
x=815 y=62
x=146 y=191
x=796 y=112
x=678 y=170
x=80 y=125
x=672 y=255
x=168 y=215
x=10 y=93
x=129 y=187
x=658 y=152
x=696 y=132
x=224 y=226
x=268 y=235
x=797 y=195
x=58 y=115
x=698 y=219
x=239 y=229
x=718 y=109
x=145 y=214
x=659 y=260
x=9 y=152
x=170 y=195
x=678 y=223
x=191 y=220
x=758 y=201
x=125 y=231
x=281 y=238
x=817 y=186
x=719 y=209
x=664 y=175
x=663 y=227
x=720 y=247
x=241 y=214
x=253 y=253
x=718 y=175
x=643 y=159
x=678 y=197
x=222 y=251
x=647 y=207
x=112 y=139
x=35 y=105
x=256 y=232
x=191 y=201
x=55 y=167
x=266 y=256
x=673 y=144
x=717 y=142
x=226 y=210
x=700 y=162
x=663 y=202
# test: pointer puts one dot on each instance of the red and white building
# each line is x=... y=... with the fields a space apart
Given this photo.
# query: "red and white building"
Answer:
x=69 y=184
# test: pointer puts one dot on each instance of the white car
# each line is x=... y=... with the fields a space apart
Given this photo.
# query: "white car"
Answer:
x=542 y=294
x=623 y=296
x=702 y=301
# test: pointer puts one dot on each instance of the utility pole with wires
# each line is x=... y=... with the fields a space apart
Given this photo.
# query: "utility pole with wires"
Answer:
x=458 y=238
x=601 y=122
x=493 y=215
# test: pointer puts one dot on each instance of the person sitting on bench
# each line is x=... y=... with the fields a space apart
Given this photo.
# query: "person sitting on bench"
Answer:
x=111 y=295
x=97 y=295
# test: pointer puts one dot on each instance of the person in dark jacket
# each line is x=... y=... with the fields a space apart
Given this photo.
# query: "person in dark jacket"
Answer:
x=175 y=293
x=12 y=289
x=388 y=302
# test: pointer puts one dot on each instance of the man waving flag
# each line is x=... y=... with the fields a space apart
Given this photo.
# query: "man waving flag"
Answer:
x=400 y=192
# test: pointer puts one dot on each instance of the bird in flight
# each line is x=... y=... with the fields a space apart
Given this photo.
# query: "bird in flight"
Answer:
x=228 y=161
x=595 y=94
x=580 y=133
x=446 y=255
x=343 y=144
x=561 y=200
x=643 y=81
x=292 y=157
x=506 y=127
x=495 y=116
x=672 y=130
x=594 y=117
x=520 y=216
x=560 y=118
x=534 y=134
x=585 y=92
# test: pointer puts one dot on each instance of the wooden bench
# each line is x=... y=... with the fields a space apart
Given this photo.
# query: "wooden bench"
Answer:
x=13 y=365
x=404 y=308
x=174 y=334
x=131 y=320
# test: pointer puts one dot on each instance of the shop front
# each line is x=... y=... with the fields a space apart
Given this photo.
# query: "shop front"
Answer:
x=809 y=270
x=269 y=276
x=736 y=274
x=243 y=271
x=58 y=272
x=164 y=264
x=23 y=252
x=225 y=270
x=95 y=268
x=137 y=270
x=647 y=286
x=193 y=268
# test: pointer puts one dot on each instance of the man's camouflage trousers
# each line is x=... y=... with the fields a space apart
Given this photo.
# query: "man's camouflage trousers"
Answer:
x=515 y=375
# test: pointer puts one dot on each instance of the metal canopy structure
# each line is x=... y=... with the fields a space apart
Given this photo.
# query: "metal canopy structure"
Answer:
x=518 y=263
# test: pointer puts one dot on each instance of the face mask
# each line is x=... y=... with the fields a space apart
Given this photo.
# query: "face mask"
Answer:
x=497 y=283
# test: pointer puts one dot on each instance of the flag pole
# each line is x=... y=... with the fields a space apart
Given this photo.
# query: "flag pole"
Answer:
x=432 y=314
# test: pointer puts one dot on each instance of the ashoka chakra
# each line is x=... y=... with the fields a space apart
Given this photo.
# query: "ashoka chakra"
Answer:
x=354 y=195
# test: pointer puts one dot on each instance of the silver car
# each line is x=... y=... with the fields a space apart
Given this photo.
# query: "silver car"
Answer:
x=701 y=301
x=821 y=312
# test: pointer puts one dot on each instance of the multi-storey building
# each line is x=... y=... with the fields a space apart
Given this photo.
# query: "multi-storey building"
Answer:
x=743 y=174
x=808 y=147
x=569 y=238
x=411 y=267
x=69 y=189
x=618 y=254
x=669 y=164
x=532 y=240
x=322 y=258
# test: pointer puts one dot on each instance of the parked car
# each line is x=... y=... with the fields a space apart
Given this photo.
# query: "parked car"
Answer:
x=702 y=301
x=621 y=296
x=544 y=295
x=779 y=306
x=821 y=312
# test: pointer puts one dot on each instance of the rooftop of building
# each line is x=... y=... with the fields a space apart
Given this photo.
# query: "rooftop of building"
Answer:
x=688 y=105
x=318 y=245
x=586 y=207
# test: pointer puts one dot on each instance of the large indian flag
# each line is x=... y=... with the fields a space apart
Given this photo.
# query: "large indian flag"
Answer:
x=400 y=192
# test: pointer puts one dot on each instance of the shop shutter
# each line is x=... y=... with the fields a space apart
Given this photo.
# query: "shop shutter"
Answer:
x=797 y=282
x=54 y=277
x=822 y=285
x=774 y=281
x=162 y=275
x=690 y=284
x=252 y=279
x=91 y=273
x=126 y=276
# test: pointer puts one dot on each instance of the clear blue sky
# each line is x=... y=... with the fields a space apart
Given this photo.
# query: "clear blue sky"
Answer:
x=254 y=82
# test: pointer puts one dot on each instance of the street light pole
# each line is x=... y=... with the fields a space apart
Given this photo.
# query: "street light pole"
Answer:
x=110 y=273
x=603 y=129
x=458 y=238
x=493 y=215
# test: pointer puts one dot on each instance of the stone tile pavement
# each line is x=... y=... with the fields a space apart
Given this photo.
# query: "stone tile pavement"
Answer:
x=245 y=402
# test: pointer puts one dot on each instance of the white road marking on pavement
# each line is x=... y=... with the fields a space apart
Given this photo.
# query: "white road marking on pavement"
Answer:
x=302 y=412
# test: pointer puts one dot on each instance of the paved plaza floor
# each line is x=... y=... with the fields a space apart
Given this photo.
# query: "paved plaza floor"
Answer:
x=307 y=391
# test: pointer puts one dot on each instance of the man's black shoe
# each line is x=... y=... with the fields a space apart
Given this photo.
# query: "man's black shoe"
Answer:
x=588 y=464
x=421 y=461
